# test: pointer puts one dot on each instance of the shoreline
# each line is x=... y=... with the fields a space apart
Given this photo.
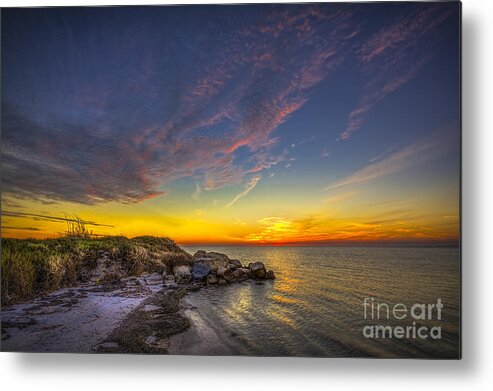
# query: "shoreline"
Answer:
x=144 y=314
x=71 y=319
x=119 y=318
x=200 y=339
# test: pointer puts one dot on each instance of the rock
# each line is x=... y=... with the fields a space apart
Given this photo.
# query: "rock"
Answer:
x=182 y=274
x=106 y=270
x=224 y=272
x=257 y=269
x=222 y=281
x=154 y=279
x=217 y=268
x=212 y=263
x=234 y=264
x=215 y=255
x=241 y=274
x=199 y=254
x=254 y=266
x=211 y=259
x=200 y=271
x=194 y=286
x=210 y=255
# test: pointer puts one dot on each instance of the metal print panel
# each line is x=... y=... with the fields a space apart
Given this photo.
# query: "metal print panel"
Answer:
x=259 y=180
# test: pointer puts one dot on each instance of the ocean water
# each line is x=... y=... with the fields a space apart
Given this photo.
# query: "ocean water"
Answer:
x=315 y=306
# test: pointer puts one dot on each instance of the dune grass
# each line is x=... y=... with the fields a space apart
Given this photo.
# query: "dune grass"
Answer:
x=30 y=267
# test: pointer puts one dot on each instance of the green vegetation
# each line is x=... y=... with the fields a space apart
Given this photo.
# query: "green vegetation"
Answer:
x=30 y=267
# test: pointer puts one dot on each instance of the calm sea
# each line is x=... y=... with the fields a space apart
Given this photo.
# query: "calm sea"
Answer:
x=315 y=306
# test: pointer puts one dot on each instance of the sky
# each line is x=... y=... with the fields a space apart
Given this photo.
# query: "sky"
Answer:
x=312 y=124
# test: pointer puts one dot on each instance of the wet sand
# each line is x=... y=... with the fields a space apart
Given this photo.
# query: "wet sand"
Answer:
x=200 y=339
x=73 y=319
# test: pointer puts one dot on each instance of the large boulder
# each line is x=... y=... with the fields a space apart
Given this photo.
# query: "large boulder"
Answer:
x=182 y=274
x=199 y=254
x=216 y=255
x=225 y=273
x=234 y=264
x=200 y=271
x=257 y=269
x=241 y=274
x=209 y=255
x=213 y=263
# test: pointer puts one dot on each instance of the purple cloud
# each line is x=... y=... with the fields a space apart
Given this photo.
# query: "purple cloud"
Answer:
x=121 y=122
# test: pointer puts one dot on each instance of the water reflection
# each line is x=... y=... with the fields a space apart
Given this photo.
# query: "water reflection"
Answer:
x=314 y=307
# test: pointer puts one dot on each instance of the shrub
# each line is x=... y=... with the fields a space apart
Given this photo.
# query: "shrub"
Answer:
x=30 y=267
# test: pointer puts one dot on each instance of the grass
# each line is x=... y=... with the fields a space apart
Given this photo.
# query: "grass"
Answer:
x=30 y=267
x=76 y=227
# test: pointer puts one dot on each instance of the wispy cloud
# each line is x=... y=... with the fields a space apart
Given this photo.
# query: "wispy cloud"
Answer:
x=34 y=216
x=394 y=55
x=20 y=228
x=137 y=114
x=375 y=95
x=341 y=197
x=248 y=188
x=424 y=150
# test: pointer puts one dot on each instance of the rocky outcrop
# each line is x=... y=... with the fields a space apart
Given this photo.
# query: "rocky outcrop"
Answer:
x=225 y=273
x=234 y=264
x=200 y=272
x=242 y=274
x=209 y=268
x=212 y=260
x=182 y=274
x=105 y=269
x=217 y=268
x=257 y=269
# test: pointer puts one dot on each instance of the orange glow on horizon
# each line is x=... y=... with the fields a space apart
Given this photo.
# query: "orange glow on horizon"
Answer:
x=273 y=218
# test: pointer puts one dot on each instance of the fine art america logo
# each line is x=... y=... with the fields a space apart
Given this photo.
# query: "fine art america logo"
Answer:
x=400 y=315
